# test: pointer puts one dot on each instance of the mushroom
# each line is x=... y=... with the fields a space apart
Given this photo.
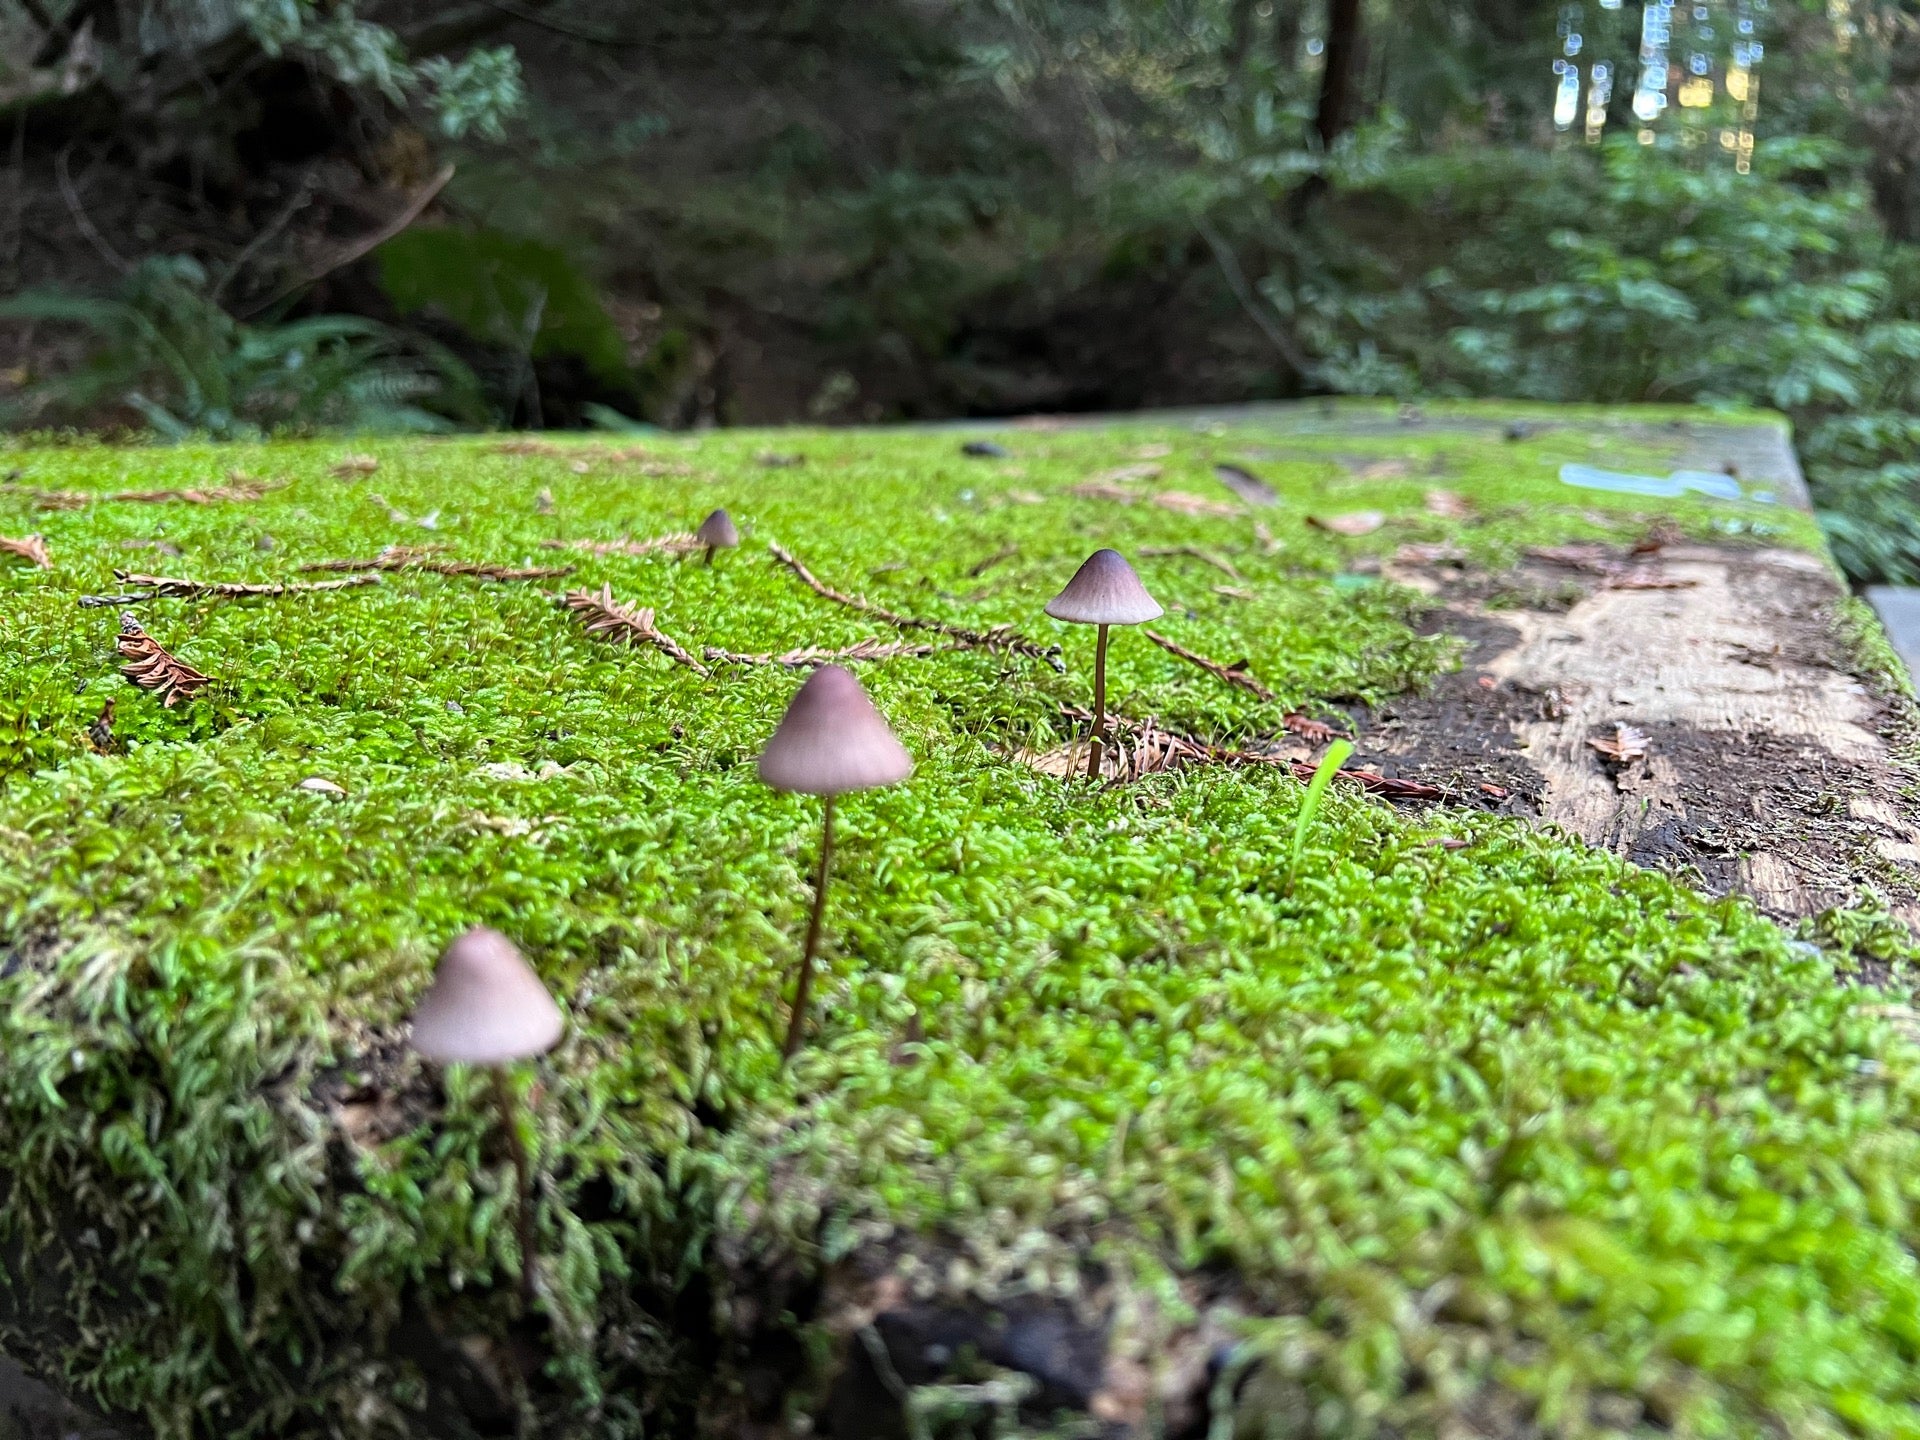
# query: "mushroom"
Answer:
x=830 y=741
x=1104 y=591
x=487 y=1007
x=717 y=532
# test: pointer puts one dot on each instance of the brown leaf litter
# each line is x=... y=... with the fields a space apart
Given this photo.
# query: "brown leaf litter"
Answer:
x=1137 y=748
x=239 y=489
x=347 y=467
x=33 y=548
x=1001 y=639
x=153 y=667
x=1352 y=522
x=604 y=616
x=1181 y=502
x=1624 y=746
x=822 y=655
x=423 y=557
x=1448 y=504
x=168 y=587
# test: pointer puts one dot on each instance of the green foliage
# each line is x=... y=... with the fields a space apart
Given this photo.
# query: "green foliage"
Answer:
x=1337 y=755
x=1512 y=1126
x=523 y=296
x=164 y=350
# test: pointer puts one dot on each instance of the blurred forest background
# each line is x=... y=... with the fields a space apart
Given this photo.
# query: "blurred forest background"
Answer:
x=234 y=217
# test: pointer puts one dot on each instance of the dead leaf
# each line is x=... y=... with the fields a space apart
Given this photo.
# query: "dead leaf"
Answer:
x=1247 y=485
x=1448 y=504
x=1383 y=470
x=315 y=785
x=348 y=466
x=1187 y=504
x=543 y=502
x=154 y=667
x=1234 y=592
x=1026 y=497
x=1100 y=490
x=1153 y=452
x=1429 y=555
x=1317 y=731
x=1125 y=475
x=1626 y=745
x=33 y=548
x=1352 y=522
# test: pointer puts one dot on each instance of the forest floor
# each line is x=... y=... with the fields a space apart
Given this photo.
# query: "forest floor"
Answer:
x=1137 y=1103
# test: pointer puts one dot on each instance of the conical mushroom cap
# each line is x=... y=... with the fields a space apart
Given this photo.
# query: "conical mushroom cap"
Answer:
x=718 y=531
x=485 y=1006
x=832 y=740
x=1105 y=591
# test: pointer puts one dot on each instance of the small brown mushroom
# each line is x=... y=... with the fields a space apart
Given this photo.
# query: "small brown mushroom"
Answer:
x=717 y=532
x=487 y=1007
x=830 y=741
x=1104 y=591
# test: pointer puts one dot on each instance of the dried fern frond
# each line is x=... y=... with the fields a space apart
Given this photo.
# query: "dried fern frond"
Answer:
x=33 y=548
x=170 y=588
x=605 y=616
x=154 y=667
x=238 y=489
x=821 y=655
x=423 y=557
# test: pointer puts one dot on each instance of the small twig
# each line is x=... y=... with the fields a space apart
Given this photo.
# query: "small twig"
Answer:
x=84 y=221
x=1194 y=552
x=410 y=213
x=821 y=655
x=981 y=567
x=1000 y=638
x=1237 y=674
x=236 y=490
x=302 y=197
x=101 y=602
x=1223 y=256
x=154 y=667
x=166 y=587
x=408 y=557
x=606 y=616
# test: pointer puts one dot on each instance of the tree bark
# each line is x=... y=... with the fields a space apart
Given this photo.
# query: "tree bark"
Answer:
x=1335 y=114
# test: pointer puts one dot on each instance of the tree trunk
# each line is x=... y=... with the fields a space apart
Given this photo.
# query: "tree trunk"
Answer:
x=1338 y=80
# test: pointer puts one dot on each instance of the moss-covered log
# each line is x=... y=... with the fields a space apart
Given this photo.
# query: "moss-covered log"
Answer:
x=1126 y=1107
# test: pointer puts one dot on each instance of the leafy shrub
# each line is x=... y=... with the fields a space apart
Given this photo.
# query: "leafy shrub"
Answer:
x=164 y=350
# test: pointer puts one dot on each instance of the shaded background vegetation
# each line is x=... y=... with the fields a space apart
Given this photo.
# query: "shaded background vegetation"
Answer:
x=235 y=216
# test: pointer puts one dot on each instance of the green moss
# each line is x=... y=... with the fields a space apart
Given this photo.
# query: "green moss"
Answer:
x=1513 y=1119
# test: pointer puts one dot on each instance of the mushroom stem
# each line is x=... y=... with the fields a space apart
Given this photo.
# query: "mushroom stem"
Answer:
x=797 y=1023
x=523 y=1176
x=710 y=550
x=1099 y=704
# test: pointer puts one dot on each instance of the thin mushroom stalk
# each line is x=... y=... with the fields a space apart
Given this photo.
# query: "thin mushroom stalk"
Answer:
x=1099 y=704
x=486 y=1007
x=803 y=986
x=1105 y=592
x=523 y=1214
x=830 y=741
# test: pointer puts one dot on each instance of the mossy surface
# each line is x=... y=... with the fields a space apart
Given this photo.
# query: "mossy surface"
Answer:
x=1508 y=1129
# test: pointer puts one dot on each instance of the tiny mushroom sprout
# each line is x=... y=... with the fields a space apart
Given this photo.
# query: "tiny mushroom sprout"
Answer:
x=1104 y=591
x=487 y=1007
x=717 y=532
x=830 y=741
